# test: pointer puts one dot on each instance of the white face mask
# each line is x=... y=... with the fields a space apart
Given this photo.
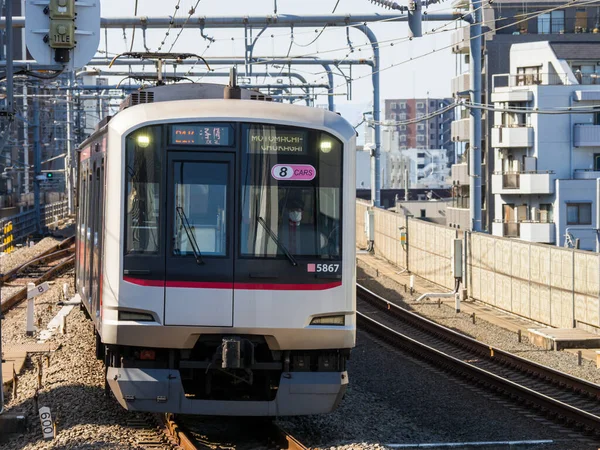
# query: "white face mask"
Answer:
x=296 y=216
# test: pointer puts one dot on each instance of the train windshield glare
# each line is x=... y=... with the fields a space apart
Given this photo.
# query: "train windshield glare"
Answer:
x=291 y=180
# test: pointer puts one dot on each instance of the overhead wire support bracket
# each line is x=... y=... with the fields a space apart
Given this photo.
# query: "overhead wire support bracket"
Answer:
x=159 y=56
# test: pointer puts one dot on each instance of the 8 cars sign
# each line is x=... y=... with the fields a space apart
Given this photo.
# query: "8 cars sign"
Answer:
x=296 y=172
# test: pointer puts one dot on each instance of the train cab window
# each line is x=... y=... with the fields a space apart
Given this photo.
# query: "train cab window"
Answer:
x=143 y=159
x=200 y=207
x=291 y=193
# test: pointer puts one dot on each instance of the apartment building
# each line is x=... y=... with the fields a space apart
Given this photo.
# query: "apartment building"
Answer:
x=432 y=133
x=506 y=22
x=546 y=165
x=422 y=168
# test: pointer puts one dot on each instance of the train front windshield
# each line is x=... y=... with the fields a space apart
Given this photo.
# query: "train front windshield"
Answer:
x=279 y=187
x=291 y=199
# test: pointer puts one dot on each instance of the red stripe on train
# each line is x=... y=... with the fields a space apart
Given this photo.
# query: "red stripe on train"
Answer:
x=221 y=285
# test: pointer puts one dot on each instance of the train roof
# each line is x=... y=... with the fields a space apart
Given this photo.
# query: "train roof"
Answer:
x=229 y=110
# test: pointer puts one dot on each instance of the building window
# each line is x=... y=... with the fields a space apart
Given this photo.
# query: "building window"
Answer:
x=402 y=138
x=420 y=126
x=394 y=105
x=402 y=116
x=432 y=126
x=420 y=115
x=402 y=105
x=420 y=155
x=579 y=213
x=420 y=138
x=551 y=23
x=420 y=105
x=423 y=213
x=420 y=166
x=432 y=104
x=402 y=127
x=597 y=162
x=527 y=76
x=546 y=214
x=432 y=137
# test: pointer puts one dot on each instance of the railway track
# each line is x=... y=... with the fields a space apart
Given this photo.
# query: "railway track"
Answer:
x=562 y=397
x=192 y=433
x=37 y=270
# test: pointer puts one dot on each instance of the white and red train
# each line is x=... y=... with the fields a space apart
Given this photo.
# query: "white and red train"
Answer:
x=216 y=253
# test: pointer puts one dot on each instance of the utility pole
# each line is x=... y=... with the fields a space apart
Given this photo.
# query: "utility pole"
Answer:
x=37 y=161
x=25 y=140
x=69 y=137
x=475 y=122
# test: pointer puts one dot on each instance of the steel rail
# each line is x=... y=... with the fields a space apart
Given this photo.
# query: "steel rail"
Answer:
x=21 y=294
x=173 y=430
x=284 y=439
x=545 y=402
x=179 y=434
x=41 y=258
x=527 y=366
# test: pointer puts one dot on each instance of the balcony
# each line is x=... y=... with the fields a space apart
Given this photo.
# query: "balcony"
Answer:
x=460 y=40
x=459 y=130
x=506 y=80
x=460 y=86
x=460 y=174
x=523 y=183
x=586 y=174
x=512 y=137
x=541 y=232
x=586 y=135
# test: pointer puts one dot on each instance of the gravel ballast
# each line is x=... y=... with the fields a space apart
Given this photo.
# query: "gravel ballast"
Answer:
x=482 y=330
x=21 y=255
x=391 y=398
x=73 y=385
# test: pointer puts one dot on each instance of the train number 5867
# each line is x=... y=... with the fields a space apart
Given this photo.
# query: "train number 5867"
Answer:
x=331 y=268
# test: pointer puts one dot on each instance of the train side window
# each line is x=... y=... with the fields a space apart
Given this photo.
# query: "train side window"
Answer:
x=144 y=154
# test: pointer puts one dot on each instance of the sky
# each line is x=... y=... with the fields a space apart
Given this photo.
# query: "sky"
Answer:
x=413 y=76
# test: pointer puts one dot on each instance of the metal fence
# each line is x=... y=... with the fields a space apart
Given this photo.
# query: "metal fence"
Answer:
x=25 y=224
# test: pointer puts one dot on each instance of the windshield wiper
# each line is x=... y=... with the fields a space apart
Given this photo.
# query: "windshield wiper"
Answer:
x=190 y=235
x=279 y=244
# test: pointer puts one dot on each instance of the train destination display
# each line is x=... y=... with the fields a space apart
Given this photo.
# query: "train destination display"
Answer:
x=292 y=142
x=200 y=135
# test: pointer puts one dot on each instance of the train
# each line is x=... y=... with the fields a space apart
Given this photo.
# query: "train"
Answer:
x=215 y=252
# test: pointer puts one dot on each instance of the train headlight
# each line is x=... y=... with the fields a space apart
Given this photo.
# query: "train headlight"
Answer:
x=143 y=140
x=326 y=146
x=329 y=320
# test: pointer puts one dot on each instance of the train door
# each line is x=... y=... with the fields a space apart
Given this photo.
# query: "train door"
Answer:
x=199 y=233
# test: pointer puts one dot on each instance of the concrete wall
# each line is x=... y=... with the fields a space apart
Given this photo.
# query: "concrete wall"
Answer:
x=556 y=286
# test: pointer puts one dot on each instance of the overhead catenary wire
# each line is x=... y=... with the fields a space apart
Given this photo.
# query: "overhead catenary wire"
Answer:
x=135 y=11
x=586 y=109
x=164 y=39
x=570 y=3
x=190 y=13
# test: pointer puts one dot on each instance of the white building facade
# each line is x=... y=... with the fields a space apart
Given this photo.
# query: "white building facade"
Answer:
x=423 y=168
x=546 y=164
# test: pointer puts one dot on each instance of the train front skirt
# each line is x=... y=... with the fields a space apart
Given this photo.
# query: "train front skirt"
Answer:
x=159 y=390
